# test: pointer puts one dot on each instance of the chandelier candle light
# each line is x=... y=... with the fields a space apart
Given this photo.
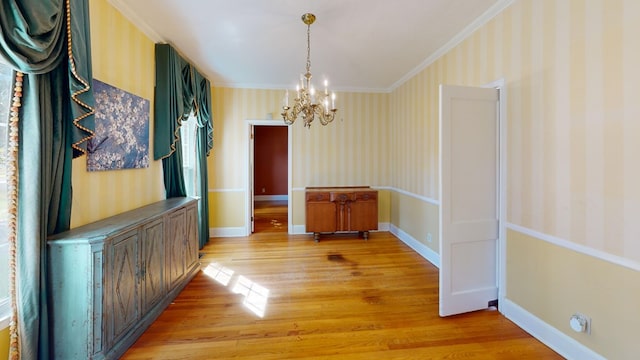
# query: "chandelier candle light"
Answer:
x=307 y=102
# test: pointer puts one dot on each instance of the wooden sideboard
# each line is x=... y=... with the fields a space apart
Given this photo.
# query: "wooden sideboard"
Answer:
x=341 y=209
x=109 y=280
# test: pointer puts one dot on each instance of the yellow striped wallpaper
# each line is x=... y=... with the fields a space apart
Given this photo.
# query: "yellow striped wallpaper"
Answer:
x=572 y=86
x=573 y=82
x=123 y=57
x=553 y=282
x=353 y=150
x=572 y=75
x=4 y=343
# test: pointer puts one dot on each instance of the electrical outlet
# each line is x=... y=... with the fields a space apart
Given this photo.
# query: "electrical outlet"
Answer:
x=580 y=323
x=429 y=238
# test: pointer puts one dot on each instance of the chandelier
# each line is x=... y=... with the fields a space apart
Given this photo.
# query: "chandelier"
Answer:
x=308 y=102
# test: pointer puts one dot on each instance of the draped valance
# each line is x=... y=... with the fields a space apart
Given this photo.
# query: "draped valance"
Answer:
x=38 y=36
x=181 y=90
x=47 y=43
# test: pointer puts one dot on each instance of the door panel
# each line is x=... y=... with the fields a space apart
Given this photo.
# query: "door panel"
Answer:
x=153 y=288
x=175 y=248
x=191 y=250
x=469 y=210
x=122 y=296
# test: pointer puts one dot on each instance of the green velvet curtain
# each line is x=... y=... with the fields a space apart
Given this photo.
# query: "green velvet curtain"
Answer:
x=55 y=121
x=169 y=112
x=204 y=146
x=181 y=89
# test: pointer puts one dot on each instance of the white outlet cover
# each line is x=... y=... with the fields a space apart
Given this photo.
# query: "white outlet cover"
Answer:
x=580 y=323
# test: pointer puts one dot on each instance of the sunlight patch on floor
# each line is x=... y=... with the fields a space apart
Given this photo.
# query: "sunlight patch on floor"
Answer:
x=255 y=295
x=219 y=273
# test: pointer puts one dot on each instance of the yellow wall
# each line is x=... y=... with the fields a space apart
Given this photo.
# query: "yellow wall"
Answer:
x=123 y=57
x=573 y=83
x=553 y=282
x=353 y=150
x=4 y=343
x=416 y=217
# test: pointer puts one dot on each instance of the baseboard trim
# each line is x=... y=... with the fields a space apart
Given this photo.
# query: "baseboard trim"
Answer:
x=560 y=342
x=383 y=227
x=227 y=232
x=417 y=246
x=299 y=230
x=270 y=197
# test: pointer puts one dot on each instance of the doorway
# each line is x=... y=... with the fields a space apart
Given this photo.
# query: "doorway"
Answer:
x=268 y=176
x=270 y=200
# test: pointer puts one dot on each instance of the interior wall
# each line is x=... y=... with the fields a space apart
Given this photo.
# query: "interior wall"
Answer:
x=572 y=85
x=4 y=343
x=124 y=57
x=353 y=150
x=554 y=282
x=270 y=175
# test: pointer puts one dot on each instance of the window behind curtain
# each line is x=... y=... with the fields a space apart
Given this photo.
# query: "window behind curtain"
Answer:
x=188 y=133
x=5 y=102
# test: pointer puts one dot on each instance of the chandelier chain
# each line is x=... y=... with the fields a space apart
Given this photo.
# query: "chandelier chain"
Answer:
x=308 y=49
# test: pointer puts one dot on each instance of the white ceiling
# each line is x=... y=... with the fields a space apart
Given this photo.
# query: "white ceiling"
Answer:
x=358 y=45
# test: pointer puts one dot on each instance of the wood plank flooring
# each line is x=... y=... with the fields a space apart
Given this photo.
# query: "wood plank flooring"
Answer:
x=275 y=296
x=270 y=216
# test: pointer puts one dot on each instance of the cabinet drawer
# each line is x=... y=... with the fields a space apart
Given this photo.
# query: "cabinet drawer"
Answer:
x=343 y=196
x=318 y=196
x=366 y=195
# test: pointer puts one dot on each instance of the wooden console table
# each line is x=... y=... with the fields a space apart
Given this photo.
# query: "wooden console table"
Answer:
x=341 y=209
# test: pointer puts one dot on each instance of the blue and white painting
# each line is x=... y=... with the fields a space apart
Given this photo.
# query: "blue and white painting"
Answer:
x=122 y=130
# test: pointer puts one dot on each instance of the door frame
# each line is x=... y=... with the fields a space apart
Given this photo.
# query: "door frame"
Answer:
x=500 y=85
x=501 y=255
x=251 y=123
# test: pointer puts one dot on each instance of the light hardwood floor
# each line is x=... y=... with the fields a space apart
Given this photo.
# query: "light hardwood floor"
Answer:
x=275 y=296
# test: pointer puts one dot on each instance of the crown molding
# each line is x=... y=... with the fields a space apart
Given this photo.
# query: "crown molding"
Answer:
x=126 y=11
x=496 y=9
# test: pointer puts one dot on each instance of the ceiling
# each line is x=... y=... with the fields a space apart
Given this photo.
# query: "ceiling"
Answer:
x=358 y=45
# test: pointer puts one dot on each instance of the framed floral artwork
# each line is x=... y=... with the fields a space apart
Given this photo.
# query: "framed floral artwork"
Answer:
x=121 y=132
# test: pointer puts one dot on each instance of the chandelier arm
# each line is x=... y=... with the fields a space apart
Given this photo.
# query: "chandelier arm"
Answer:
x=303 y=105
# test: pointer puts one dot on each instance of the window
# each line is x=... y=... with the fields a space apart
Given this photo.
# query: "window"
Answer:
x=5 y=98
x=188 y=137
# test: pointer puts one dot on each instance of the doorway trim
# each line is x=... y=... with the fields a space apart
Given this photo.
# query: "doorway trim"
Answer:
x=251 y=123
x=500 y=85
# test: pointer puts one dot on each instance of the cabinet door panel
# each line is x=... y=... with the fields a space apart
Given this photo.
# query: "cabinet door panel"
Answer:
x=191 y=240
x=363 y=215
x=176 y=262
x=153 y=264
x=321 y=217
x=123 y=292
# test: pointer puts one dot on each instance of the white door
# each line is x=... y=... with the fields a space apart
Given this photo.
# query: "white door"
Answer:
x=251 y=176
x=469 y=190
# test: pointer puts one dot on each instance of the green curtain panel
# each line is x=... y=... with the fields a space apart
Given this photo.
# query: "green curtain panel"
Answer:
x=169 y=111
x=204 y=146
x=56 y=120
x=181 y=89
